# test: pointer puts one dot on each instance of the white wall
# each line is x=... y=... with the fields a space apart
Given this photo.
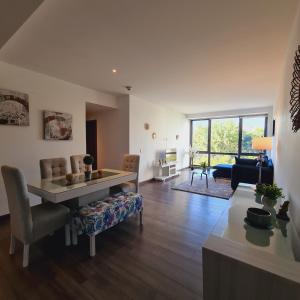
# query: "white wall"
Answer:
x=287 y=162
x=166 y=123
x=113 y=134
x=23 y=147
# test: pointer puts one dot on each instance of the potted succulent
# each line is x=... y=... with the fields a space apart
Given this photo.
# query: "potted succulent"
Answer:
x=259 y=191
x=203 y=166
x=271 y=193
x=88 y=161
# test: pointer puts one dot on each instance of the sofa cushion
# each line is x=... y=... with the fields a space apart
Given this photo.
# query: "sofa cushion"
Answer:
x=222 y=171
x=245 y=161
x=103 y=214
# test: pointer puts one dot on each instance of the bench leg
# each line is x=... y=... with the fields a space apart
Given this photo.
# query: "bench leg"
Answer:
x=25 y=255
x=12 y=245
x=67 y=235
x=74 y=235
x=141 y=218
x=92 y=245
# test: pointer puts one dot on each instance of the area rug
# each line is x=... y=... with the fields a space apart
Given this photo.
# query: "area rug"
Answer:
x=220 y=188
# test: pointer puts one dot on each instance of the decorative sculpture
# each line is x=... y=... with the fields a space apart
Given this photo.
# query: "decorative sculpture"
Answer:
x=282 y=213
x=295 y=93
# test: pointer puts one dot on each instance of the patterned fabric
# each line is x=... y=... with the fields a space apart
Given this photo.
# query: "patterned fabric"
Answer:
x=103 y=214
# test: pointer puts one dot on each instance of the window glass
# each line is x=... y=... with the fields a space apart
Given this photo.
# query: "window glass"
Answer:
x=252 y=127
x=200 y=135
x=200 y=158
x=225 y=135
x=221 y=159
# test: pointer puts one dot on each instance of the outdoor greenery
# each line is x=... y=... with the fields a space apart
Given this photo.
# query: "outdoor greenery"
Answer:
x=224 y=138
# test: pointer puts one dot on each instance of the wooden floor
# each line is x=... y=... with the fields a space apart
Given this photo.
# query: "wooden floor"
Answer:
x=160 y=261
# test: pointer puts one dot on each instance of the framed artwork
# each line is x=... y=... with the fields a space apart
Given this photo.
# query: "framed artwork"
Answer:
x=295 y=93
x=14 y=108
x=57 y=126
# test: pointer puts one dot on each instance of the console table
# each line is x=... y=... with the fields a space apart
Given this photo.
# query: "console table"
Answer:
x=242 y=262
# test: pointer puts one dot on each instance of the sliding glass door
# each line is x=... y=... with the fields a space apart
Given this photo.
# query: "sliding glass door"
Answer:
x=220 y=140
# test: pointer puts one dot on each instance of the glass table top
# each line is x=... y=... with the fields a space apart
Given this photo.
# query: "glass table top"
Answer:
x=75 y=181
x=80 y=178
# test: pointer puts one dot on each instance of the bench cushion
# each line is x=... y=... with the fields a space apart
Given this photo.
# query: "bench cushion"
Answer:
x=103 y=214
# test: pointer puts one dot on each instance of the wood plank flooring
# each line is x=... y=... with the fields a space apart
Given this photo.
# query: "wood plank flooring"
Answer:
x=160 y=261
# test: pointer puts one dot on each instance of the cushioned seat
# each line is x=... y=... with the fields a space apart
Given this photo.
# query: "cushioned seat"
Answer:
x=28 y=224
x=131 y=163
x=103 y=214
x=222 y=171
x=47 y=217
x=125 y=187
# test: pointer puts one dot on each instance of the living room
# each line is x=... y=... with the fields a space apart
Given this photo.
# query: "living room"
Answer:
x=209 y=87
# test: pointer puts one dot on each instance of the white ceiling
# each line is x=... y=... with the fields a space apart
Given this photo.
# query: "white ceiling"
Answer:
x=191 y=55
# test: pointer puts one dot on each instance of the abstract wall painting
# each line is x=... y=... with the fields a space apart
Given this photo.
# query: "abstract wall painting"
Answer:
x=57 y=126
x=295 y=93
x=14 y=108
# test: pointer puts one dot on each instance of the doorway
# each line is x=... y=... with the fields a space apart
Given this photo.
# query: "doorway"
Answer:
x=91 y=140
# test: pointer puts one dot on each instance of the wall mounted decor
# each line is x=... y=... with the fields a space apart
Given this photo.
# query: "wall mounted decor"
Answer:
x=295 y=91
x=57 y=126
x=154 y=135
x=146 y=126
x=14 y=108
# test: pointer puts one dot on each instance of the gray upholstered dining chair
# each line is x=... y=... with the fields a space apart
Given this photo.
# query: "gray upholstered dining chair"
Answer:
x=131 y=163
x=77 y=164
x=29 y=224
x=53 y=167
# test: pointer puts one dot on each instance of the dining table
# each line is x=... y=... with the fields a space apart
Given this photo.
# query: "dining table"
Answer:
x=63 y=188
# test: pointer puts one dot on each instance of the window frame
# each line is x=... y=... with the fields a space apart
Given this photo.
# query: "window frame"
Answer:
x=240 y=136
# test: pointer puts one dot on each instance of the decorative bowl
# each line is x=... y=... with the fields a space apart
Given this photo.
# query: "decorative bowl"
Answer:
x=259 y=217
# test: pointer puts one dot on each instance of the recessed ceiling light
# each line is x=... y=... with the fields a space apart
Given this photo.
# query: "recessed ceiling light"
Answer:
x=114 y=70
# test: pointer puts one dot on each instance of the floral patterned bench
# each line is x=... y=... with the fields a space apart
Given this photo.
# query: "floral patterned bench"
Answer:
x=103 y=214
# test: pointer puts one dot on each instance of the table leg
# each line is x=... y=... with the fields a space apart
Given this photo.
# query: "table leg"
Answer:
x=192 y=178
x=206 y=181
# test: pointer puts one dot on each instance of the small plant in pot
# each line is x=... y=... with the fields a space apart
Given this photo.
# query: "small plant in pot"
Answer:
x=88 y=161
x=203 y=166
x=271 y=193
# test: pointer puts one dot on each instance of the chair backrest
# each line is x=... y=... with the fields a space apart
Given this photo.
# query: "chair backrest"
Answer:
x=18 y=203
x=131 y=163
x=77 y=164
x=53 y=167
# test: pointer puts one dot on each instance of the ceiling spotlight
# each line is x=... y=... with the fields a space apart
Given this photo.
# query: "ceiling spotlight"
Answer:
x=114 y=71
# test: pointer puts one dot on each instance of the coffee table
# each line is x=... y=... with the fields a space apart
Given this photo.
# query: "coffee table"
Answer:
x=206 y=172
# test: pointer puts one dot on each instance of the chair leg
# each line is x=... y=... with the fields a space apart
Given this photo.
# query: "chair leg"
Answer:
x=92 y=245
x=141 y=218
x=25 y=255
x=67 y=235
x=12 y=245
x=74 y=235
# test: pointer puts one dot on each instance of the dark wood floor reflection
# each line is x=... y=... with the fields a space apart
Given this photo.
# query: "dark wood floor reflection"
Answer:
x=161 y=261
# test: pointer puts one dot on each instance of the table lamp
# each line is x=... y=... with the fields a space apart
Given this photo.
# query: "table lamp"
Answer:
x=261 y=144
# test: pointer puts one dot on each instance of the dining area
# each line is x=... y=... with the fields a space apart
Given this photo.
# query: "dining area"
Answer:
x=83 y=201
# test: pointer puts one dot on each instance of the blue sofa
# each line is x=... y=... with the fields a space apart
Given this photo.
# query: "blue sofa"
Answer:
x=246 y=171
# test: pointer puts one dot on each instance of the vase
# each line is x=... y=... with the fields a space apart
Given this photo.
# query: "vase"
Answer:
x=266 y=201
x=88 y=172
x=258 y=198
